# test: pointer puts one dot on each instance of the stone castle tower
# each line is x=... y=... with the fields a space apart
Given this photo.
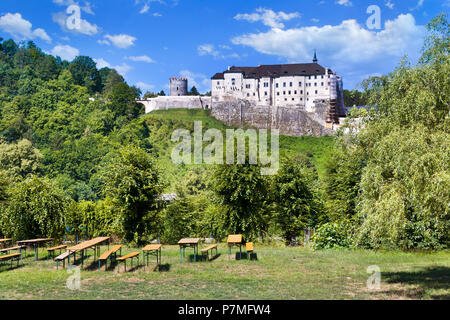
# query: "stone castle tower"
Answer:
x=178 y=86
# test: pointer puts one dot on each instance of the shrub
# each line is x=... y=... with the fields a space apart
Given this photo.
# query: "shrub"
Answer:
x=333 y=235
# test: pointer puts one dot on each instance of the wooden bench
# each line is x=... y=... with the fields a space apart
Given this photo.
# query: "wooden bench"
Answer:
x=52 y=250
x=11 y=257
x=62 y=257
x=129 y=256
x=211 y=247
x=249 y=248
x=108 y=255
x=12 y=249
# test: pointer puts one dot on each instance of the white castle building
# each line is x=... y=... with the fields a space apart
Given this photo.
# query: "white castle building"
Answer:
x=284 y=85
x=307 y=88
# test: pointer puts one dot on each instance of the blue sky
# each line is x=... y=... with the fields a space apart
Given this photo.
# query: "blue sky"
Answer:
x=148 y=41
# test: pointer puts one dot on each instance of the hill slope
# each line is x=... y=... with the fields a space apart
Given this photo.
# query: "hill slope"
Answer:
x=163 y=122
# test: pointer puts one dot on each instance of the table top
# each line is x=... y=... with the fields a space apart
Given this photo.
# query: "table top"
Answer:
x=35 y=240
x=151 y=247
x=189 y=241
x=6 y=239
x=87 y=244
x=235 y=238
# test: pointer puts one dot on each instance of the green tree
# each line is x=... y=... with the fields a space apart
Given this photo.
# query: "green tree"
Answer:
x=20 y=159
x=85 y=73
x=194 y=92
x=241 y=190
x=35 y=210
x=297 y=204
x=133 y=181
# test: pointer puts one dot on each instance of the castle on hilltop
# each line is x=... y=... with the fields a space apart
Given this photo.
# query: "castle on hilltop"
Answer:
x=297 y=99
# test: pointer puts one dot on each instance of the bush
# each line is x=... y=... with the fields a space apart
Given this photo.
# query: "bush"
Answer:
x=35 y=209
x=333 y=235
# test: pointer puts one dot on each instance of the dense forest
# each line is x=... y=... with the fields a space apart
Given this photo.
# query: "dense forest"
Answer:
x=76 y=150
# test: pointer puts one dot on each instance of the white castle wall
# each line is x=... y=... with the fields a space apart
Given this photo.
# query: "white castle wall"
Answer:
x=175 y=102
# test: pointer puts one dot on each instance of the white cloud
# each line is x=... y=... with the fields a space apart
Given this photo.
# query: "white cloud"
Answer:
x=141 y=59
x=346 y=3
x=315 y=20
x=84 y=28
x=145 y=86
x=418 y=6
x=144 y=9
x=347 y=46
x=101 y=63
x=390 y=4
x=268 y=17
x=122 y=68
x=86 y=8
x=198 y=80
x=157 y=14
x=105 y=42
x=121 y=40
x=207 y=49
x=210 y=49
x=66 y=52
x=21 y=29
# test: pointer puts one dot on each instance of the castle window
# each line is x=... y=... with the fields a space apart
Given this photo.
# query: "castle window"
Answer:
x=315 y=84
x=285 y=99
x=301 y=91
x=248 y=94
x=265 y=93
x=301 y=99
x=289 y=91
x=290 y=84
x=284 y=84
x=322 y=84
x=293 y=99
x=316 y=92
x=276 y=85
x=253 y=94
x=278 y=93
x=266 y=84
x=284 y=92
x=328 y=83
x=218 y=82
x=315 y=77
x=322 y=77
x=295 y=92
x=299 y=84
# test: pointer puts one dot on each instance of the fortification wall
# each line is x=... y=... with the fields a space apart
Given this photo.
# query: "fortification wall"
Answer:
x=173 y=102
x=289 y=121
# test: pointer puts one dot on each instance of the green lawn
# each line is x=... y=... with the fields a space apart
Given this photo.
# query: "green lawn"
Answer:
x=279 y=273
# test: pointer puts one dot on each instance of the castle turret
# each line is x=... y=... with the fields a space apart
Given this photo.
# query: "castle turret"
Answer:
x=315 y=60
x=178 y=86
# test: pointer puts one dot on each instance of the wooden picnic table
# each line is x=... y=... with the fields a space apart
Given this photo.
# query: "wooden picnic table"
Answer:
x=189 y=242
x=234 y=240
x=3 y=241
x=93 y=244
x=35 y=243
x=152 y=249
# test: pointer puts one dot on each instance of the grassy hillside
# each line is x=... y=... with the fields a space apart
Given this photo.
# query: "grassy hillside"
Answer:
x=163 y=122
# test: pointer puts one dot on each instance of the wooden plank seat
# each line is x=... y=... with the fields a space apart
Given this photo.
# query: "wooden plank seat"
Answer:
x=211 y=247
x=12 y=257
x=129 y=256
x=109 y=255
x=12 y=249
x=51 y=251
x=249 y=248
x=62 y=257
